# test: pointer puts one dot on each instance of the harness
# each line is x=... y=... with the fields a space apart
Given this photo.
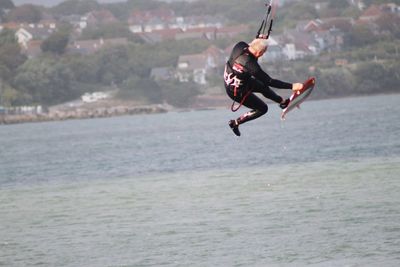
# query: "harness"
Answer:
x=231 y=79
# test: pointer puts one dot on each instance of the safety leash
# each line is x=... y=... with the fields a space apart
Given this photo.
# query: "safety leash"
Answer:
x=233 y=108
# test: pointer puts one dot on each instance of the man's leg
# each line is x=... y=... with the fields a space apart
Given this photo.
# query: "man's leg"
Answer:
x=270 y=94
x=258 y=107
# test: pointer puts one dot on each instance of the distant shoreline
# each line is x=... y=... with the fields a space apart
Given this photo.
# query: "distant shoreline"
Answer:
x=203 y=103
x=101 y=112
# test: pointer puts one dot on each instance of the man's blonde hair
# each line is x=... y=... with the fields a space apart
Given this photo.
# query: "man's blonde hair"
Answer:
x=259 y=45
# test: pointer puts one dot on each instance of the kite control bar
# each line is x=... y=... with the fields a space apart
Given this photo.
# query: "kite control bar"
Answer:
x=268 y=19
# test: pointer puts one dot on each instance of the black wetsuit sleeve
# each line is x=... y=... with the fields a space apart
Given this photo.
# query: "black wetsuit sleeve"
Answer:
x=280 y=84
x=256 y=71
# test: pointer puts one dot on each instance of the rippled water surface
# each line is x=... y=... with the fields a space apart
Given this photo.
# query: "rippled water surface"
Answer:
x=179 y=189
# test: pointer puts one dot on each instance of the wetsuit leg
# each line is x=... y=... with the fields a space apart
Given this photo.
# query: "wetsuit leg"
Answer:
x=258 y=87
x=258 y=107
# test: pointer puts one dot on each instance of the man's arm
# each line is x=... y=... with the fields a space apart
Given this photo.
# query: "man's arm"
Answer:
x=256 y=71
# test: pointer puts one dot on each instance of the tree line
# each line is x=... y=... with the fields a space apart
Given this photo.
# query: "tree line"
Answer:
x=56 y=77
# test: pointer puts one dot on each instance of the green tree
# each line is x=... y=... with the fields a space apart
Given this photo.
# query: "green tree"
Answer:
x=144 y=4
x=8 y=95
x=7 y=36
x=370 y=77
x=335 y=82
x=143 y=90
x=10 y=54
x=56 y=43
x=179 y=94
x=85 y=69
x=361 y=35
x=390 y=24
x=73 y=7
x=47 y=79
x=107 y=31
x=340 y=4
x=25 y=13
x=113 y=65
x=5 y=5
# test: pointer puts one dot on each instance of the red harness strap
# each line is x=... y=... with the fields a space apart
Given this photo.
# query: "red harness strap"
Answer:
x=233 y=108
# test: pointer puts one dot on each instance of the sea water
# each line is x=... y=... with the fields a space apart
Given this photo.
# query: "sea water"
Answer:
x=179 y=189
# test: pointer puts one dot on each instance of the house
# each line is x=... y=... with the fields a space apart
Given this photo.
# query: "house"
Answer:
x=342 y=23
x=157 y=36
x=319 y=25
x=274 y=53
x=192 y=68
x=208 y=33
x=231 y=31
x=375 y=12
x=370 y=18
x=196 y=66
x=314 y=25
x=154 y=24
x=299 y=44
x=391 y=8
x=371 y=14
x=215 y=56
x=23 y=37
x=98 y=17
x=87 y=47
x=321 y=5
x=136 y=28
x=357 y=3
x=11 y=26
x=148 y=21
x=332 y=40
x=47 y=23
x=297 y=50
x=78 y=22
x=143 y=17
x=27 y=32
x=40 y=31
x=193 y=22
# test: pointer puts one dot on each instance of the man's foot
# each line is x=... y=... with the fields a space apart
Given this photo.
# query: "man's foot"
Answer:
x=284 y=104
x=235 y=127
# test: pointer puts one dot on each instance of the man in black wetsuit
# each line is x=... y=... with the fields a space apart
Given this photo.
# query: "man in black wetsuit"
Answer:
x=243 y=77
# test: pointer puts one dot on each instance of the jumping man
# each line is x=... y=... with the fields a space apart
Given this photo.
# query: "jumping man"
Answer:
x=243 y=77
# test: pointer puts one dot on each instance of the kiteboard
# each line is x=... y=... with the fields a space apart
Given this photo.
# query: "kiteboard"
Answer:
x=299 y=96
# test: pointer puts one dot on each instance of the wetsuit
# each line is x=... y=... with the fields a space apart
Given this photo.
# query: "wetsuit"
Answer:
x=243 y=74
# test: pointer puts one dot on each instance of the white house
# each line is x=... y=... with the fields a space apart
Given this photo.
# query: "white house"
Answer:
x=136 y=28
x=192 y=67
x=274 y=51
x=23 y=37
